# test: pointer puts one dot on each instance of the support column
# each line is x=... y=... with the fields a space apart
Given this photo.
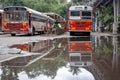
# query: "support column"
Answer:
x=115 y=53
x=100 y=22
x=115 y=24
x=119 y=7
x=96 y=21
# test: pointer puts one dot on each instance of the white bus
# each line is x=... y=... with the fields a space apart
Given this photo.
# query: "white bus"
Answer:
x=80 y=19
x=23 y=20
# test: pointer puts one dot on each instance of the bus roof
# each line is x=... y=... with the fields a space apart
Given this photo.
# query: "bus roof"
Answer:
x=81 y=7
x=55 y=16
x=27 y=9
x=51 y=14
x=31 y=11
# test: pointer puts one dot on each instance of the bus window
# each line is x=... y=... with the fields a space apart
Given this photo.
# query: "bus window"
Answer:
x=15 y=16
x=75 y=58
x=86 y=15
x=75 y=13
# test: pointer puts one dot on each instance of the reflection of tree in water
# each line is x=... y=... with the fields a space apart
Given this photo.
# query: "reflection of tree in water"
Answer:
x=118 y=39
x=107 y=58
x=48 y=67
x=105 y=47
x=45 y=67
x=40 y=67
x=10 y=73
x=74 y=70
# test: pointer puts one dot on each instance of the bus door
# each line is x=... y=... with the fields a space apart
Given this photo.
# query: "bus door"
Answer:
x=29 y=19
x=0 y=22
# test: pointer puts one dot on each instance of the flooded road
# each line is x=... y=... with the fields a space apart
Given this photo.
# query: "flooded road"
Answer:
x=74 y=58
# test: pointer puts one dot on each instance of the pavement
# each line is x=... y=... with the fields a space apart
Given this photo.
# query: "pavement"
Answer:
x=101 y=34
x=5 y=57
x=1 y=33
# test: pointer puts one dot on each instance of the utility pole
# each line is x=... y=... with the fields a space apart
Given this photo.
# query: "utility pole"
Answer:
x=116 y=9
x=1 y=6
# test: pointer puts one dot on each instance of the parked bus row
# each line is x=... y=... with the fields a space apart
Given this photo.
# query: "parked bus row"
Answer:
x=23 y=20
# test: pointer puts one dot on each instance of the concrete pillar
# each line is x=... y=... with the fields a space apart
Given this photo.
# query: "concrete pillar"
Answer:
x=96 y=26
x=100 y=22
x=115 y=53
x=116 y=11
x=119 y=7
x=96 y=22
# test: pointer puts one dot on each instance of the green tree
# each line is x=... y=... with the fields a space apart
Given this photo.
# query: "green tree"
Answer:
x=106 y=16
x=12 y=2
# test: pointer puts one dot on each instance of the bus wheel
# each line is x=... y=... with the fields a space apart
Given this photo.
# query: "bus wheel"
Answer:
x=43 y=32
x=71 y=33
x=33 y=32
x=39 y=32
x=13 y=34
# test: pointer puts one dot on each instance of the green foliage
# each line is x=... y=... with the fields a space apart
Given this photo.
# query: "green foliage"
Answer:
x=57 y=6
x=106 y=15
x=76 y=2
x=118 y=29
x=12 y=2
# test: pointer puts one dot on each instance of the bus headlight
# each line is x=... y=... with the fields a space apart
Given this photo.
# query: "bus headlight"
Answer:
x=87 y=28
x=5 y=24
x=73 y=28
x=25 y=24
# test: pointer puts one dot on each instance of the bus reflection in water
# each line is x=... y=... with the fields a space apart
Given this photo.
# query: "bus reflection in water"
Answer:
x=80 y=51
x=35 y=47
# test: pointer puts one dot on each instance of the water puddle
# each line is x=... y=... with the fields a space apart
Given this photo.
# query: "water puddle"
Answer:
x=74 y=58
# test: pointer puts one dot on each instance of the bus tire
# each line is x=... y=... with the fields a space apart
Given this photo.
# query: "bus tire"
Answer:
x=13 y=34
x=39 y=32
x=43 y=32
x=33 y=32
x=71 y=33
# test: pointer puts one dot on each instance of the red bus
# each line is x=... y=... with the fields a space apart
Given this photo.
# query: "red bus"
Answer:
x=23 y=20
x=80 y=51
x=1 y=13
x=80 y=19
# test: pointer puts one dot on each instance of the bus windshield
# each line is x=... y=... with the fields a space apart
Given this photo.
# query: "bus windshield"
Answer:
x=75 y=13
x=16 y=16
x=86 y=15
